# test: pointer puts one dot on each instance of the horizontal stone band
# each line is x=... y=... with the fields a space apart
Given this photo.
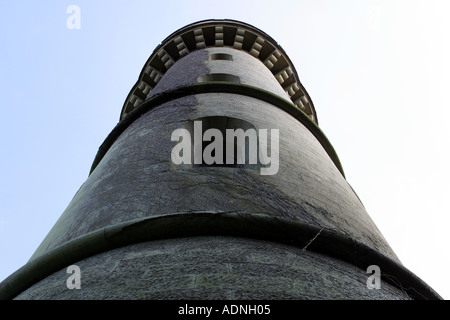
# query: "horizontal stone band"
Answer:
x=193 y=224
x=221 y=87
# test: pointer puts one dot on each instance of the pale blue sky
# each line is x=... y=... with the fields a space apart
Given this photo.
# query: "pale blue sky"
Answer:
x=377 y=71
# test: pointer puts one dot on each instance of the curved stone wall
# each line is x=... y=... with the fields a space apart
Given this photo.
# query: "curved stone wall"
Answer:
x=213 y=268
x=142 y=226
x=220 y=33
x=137 y=179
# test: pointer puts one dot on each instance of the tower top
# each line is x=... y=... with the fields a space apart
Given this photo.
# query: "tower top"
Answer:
x=220 y=33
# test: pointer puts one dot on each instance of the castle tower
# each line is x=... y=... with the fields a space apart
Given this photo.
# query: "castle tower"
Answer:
x=175 y=208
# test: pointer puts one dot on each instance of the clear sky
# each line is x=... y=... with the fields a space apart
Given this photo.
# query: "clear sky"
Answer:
x=378 y=73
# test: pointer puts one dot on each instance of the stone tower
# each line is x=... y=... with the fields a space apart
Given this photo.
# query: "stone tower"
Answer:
x=144 y=226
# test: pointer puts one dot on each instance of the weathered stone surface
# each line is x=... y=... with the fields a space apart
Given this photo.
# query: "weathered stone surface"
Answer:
x=190 y=68
x=214 y=268
x=136 y=178
x=107 y=227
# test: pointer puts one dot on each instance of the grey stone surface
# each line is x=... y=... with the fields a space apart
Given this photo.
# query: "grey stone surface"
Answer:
x=213 y=268
x=190 y=68
x=227 y=35
x=136 y=178
x=184 y=72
